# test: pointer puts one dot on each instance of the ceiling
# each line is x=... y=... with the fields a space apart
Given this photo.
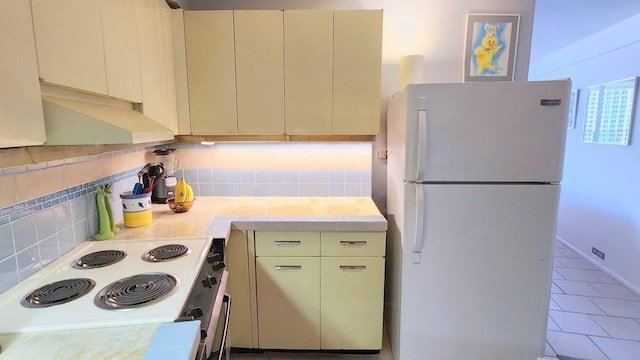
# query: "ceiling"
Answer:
x=559 y=23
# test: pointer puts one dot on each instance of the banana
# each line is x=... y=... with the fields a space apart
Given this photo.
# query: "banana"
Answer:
x=181 y=191
x=189 y=193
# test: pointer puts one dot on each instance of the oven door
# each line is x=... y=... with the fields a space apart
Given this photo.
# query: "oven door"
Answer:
x=220 y=347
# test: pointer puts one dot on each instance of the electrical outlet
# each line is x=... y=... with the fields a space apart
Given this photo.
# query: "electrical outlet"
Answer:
x=598 y=253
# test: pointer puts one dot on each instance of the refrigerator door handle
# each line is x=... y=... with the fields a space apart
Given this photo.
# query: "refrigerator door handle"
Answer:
x=419 y=235
x=422 y=141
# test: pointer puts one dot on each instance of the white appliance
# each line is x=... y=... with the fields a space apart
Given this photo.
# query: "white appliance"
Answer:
x=472 y=197
x=152 y=281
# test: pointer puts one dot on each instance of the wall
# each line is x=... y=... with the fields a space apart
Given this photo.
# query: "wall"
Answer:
x=599 y=205
x=48 y=207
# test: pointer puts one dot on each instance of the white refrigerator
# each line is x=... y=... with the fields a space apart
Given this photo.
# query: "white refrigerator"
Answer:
x=472 y=194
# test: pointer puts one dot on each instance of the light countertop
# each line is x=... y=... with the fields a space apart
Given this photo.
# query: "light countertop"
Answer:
x=209 y=216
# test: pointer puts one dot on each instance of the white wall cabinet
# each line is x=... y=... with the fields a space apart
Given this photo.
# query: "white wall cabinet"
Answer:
x=21 y=117
x=211 y=72
x=357 y=63
x=297 y=72
x=319 y=290
x=89 y=45
x=259 y=71
x=157 y=71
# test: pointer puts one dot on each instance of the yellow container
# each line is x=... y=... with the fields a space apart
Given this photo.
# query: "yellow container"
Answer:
x=136 y=209
x=135 y=219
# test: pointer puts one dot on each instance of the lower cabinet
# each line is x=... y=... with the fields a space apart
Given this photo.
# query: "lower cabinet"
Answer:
x=319 y=290
x=288 y=302
x=351 y=302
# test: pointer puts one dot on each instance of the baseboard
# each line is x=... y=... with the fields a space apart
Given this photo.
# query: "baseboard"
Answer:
x=604 y=269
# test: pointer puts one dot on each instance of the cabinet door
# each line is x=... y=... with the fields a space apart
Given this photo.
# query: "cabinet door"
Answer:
x=211 y=72
x=352 y=292
x=237 y=259
x=259 y=71
x=288 y=294
x=357 y=49
x=157 y=72
x=121 y=49
x=308 y=67
x=70 y=44
x=21 y=119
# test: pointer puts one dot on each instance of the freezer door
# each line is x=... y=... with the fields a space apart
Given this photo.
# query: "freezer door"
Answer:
x=481 y=288
x=486 y=132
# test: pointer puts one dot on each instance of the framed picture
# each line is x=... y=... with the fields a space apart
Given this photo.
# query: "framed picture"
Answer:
x=573 y=105
x=490 y=47
x=609 y=112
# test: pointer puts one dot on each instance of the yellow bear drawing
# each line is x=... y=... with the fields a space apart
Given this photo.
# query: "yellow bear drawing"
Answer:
x=489 y=46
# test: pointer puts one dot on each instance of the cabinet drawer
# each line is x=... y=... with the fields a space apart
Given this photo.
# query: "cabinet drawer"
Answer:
x=287 y=243
x=353 y=243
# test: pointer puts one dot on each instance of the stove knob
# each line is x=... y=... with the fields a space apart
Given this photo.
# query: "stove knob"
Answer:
x=209 y=282
x=213 y=258
x=195 y=312
x=218 y=265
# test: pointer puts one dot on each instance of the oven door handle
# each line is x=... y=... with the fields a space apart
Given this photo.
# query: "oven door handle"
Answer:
x=222 y=352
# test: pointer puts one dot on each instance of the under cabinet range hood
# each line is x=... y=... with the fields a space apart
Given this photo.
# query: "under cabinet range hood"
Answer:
x=74 y=122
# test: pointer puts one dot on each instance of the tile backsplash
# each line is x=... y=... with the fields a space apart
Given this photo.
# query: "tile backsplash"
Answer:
x=49 y=208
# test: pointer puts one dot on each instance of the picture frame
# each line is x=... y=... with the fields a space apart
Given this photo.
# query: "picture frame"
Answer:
x=609 y=112
x=573 y=106
x=490 y=47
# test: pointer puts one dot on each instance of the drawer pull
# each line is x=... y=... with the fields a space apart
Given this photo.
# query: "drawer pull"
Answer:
x=288 y=242
x=353 y=243
x=288 y=267
x=353 y=267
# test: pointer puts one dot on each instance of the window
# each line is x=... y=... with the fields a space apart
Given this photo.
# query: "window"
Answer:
x=609 y=112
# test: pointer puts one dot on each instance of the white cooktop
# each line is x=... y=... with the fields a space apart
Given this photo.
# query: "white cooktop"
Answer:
x=82 y=312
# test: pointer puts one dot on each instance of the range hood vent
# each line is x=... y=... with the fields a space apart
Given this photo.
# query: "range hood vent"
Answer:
x=74 y=122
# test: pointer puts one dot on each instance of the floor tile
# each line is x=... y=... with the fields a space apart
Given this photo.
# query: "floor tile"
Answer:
x=603 y=277
x=615 y=307
x=615 y=291
x=574 y=345
x=576 y=288
x=617 y=349
x=548 y=350
x=577 y=274
x=551 y=325
x=557 y=275
x=576 y=323
x=578 y=264
x=619 y=328
x=555 y=289
x=553 y=305
x=578 y=304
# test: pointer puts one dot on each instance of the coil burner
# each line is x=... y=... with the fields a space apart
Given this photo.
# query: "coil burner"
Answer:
x=58 y=292
x=165 y=253
x=99 y=259
x=136 y=291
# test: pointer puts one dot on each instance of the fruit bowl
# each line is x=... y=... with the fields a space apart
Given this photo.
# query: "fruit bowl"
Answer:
x=180 y=207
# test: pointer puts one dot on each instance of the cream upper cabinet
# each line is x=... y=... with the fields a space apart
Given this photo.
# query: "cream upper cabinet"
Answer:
x=21 y=118
x=157 y=72
x=357 y=49
x=308 y=68
x=259 y=71
x=211 y=72
x=122 y=59
x=89 y=45
x=69 y=43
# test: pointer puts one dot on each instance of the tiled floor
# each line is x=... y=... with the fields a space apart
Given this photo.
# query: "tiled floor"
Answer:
x=591 y=316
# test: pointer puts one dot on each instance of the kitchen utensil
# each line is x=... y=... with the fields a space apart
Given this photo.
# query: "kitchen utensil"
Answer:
x=138 y=188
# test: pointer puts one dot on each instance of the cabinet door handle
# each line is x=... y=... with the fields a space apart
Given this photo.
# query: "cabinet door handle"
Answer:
x=288 y=242
x=288 y=267
x=353 y=267
x=352 y=243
